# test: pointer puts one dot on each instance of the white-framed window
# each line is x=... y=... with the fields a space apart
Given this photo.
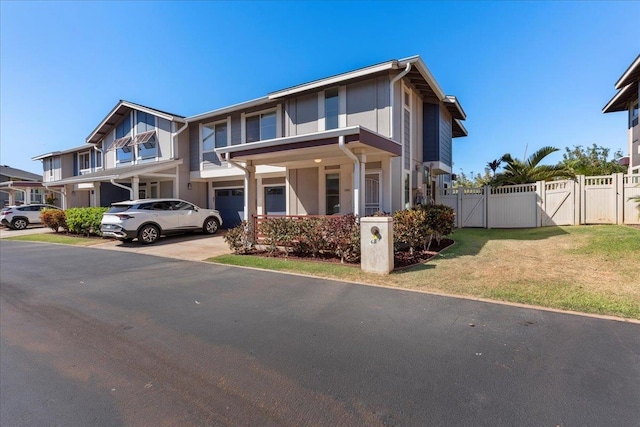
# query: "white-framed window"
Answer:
x=406 y=129
x=261 y=126
x=50 y=166
x=331 y=108
x=633 y=116
x=214 y=135
x=84 y=163
x=98 y=158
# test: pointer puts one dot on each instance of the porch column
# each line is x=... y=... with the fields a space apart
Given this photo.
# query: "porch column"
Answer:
x=96 y=194
x=357 y=187
x=27 y=195
x=250 y=193
x=12 y=197
x=63 y=202
x=135 y=186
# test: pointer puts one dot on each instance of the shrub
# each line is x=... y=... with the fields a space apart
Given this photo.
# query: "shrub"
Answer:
x=343 y=237
x=279 y=232
x=415 y=228
x=85 y=220
x=312 y=239
x=54 y=219
x=240 y=239
x=440 y=221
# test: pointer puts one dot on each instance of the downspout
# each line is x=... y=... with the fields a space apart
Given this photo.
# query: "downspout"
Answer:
x=356 y=172
x=173 y=140
x=113 y=181
x=392 y=94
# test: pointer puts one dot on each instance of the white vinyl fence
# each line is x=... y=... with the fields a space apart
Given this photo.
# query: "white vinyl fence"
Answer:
x=586 y=200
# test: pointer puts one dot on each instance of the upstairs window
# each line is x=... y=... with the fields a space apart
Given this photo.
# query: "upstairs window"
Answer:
x=50 y=166
x=214 y=136
x=84 y=163
x=261 y=127
x=124 y=153
x=633 y=116
x=331 y=108
x=145 y=122
x=145 y=135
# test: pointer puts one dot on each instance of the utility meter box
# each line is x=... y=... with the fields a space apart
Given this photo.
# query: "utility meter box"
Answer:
x=376 y=244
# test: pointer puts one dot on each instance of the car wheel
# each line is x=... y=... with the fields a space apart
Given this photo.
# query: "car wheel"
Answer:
x=19 y=223
x=148 y=234
x=210 y=226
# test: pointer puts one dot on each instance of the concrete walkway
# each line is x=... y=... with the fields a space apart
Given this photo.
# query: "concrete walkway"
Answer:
x=188 y=247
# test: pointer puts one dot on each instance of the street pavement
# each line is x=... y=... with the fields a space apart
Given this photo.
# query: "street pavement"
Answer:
x=107 y=338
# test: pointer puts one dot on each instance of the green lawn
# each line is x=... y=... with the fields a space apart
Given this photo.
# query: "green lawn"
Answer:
x=64 y=239
x=591 y=269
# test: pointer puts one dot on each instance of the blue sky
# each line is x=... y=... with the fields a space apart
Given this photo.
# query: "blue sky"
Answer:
x=528 y=74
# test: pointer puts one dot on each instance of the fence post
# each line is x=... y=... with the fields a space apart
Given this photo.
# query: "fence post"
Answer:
x=619 y=188
x=485 y=205
x=582 y=200
x=540 y=203
x=575 y=200
x=459 y=206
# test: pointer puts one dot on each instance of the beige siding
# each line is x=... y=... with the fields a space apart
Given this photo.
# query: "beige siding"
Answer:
x=302 y=115
x=361 y=105
x=303 y=188
x=164 y=139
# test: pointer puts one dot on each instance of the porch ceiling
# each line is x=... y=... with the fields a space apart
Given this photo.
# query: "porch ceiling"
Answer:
x=320 y=145
x=154 y=169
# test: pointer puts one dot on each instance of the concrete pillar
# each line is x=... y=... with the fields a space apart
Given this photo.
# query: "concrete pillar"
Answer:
x=135 y=186
x=376 y=245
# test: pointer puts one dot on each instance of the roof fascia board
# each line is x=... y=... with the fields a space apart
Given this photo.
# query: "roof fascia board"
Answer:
x=462 y=128
x=622 y=80
x=422 y=67
x=611 y=107
x=59 y=153
x=453 y=100
x=330 y=81
x=229 y=109
x=138 y=171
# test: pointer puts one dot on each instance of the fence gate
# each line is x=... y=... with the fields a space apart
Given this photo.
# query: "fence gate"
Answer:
x=631 y=186
x=599 y=200
x=513 y=206
x=558 y=206
x=472 y=207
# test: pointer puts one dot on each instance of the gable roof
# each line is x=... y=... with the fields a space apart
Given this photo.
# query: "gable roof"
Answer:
x=119 y=111
x=84 y=147
x=10 y=172
x=419 y=76
x=632 y=74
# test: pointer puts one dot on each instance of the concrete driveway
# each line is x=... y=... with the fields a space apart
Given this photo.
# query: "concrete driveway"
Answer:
x=188 y=247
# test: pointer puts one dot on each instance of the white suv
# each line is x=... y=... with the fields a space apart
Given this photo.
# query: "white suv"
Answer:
x=19 y=217
x=147 y=219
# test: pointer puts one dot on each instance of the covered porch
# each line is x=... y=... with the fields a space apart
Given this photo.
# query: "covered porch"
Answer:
x=23 y=192
x=158 y=179
x=340 y=171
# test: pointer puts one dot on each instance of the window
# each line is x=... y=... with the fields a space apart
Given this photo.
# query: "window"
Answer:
x=214 y=136
x=84 y=163
x=261 y=127
x=331 y=108
x=146 y=122
x=124 y=153
x=50 y=166
x=633 y=116
x=98 y=159
x=333 y=193
x=145 y=135
x=406 y=131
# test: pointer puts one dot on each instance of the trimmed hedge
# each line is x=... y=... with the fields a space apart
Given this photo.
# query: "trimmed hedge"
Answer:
x=416 y=228
x=84 y=220
x=240 y=239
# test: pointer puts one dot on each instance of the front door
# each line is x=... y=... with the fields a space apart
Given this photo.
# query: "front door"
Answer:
x=371 y=193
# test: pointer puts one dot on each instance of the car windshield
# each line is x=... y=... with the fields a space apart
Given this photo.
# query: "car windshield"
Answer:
x=118 y=208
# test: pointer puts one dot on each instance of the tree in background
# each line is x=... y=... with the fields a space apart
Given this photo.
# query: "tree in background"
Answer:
x=494 y=165
x=530 y=170
x=472 y=180
x=592 y=160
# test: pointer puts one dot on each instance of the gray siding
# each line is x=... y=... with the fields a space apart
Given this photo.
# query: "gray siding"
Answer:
x=361 y=104
x=303 y=115
x=236 y=129
x=445 y=137
x=164 y=139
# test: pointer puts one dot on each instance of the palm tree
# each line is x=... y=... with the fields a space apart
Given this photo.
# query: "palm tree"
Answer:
x=528 y=171
x=494 y=165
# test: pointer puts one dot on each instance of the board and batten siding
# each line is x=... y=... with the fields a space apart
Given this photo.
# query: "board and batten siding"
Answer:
x=301 y=115
x=368 y=104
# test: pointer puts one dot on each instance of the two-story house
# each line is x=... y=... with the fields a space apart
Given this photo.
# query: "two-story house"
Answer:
x=627 y=100
x=377 y=138
x=18 y=186
x=132 y=153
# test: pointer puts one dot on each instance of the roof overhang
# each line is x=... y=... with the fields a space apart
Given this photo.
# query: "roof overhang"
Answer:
x=20 y=184
x=59 y=153
x=631 y=75
x=119 y=111
x=118 y=173
x=458 y=129
x=620 y=102
x=318 y=145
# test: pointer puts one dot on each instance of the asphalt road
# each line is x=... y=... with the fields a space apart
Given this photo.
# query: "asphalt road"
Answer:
x=103 y=338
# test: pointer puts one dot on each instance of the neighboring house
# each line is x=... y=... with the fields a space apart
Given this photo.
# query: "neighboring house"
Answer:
x=377 y=138
x=18 y=186
x=627 y=100
x=132 y=153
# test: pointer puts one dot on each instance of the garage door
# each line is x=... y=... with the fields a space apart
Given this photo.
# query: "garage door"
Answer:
x=275 y=200
x=230 y=204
